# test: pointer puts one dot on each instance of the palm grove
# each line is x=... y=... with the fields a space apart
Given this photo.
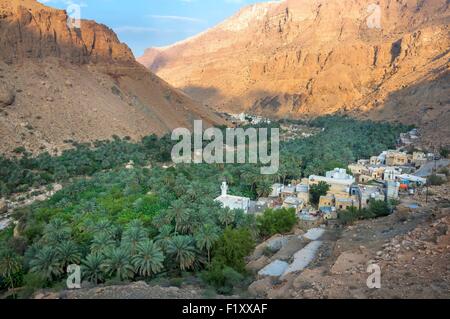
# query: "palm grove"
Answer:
x=152 y=223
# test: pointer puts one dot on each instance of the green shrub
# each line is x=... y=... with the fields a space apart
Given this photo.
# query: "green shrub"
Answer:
x=231 y=249
x=222 y=277
x=444 y=171
x=273 y=222
x=435 y=180
x=349 y=216
x=379 y=208
x=32 y=283
x=316 y=191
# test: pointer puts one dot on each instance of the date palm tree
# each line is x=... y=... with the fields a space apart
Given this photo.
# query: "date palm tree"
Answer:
x=206 y=237
x=164 y=237
x=133 y=236
x=104 y=226
x=178 y=213
x=118 y=264
x=101 y=243
x=149 y=259
x=264 y=188
x=10 y=264
x=91 y=268
x=182 y=250
x=47 y=263
x=56 y=231
x=227 y=217
x=68 y=253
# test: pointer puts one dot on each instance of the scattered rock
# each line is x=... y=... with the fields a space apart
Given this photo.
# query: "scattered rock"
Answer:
x=256 y=265
x=7 y=95
x=260 y=288
x=3 y=206
x=276 y=243
x=348 y=261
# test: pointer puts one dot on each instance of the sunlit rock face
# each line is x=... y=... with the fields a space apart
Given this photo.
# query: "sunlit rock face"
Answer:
x=305 y=58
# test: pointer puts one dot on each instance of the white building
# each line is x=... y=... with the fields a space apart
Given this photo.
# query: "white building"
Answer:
x=338 y=179
x=233 y=202
x=339 y=173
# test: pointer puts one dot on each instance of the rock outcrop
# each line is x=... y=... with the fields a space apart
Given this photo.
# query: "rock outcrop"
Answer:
x=30 y=30
x=306 y=58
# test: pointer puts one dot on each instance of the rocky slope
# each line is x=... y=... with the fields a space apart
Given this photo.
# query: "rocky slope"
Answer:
x=305 y=58
x=412 y=248
x=59 y=84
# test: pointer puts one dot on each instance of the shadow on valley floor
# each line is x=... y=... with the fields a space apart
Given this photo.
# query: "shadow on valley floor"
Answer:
x=426 y=104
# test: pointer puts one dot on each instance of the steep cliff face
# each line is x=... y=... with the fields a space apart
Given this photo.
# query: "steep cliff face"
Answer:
x=311 y=57
x=30 y=30
x=59 y=83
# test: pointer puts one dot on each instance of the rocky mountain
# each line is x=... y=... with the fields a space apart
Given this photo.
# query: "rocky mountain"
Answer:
x=59 y=83
x=386 y=59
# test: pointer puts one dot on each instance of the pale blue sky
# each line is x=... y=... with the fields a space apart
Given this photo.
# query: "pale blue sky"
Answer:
x=146 y=23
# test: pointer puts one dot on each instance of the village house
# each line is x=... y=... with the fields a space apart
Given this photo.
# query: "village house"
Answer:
x=391 y=173
x=288 y=191
x=276 y=190
x=344 y=203
x=338 y=180
x=419 y=159
x=366 y=193
x=326 y=201
x=295 y=203
x=338 y=201
x=329 y=213
x=233 y=202
x=411 y=180
x=392 y=190
x=358 y=169
x=303 y=192
x=396 y=158
x=410 y=137
x=379 y=160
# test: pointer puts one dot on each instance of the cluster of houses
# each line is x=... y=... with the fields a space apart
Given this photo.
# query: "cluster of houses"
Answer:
x=392 y=166
x=244 y=118
x=379 y=178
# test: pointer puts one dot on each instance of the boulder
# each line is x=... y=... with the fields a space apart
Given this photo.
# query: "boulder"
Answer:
x=276 y=243
x=275 y=269
x=3 y=206
x=260 y=288
x=256 y=265
x=7 y=95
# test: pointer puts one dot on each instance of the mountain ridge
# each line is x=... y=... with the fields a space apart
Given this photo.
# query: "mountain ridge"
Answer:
x=315 y=57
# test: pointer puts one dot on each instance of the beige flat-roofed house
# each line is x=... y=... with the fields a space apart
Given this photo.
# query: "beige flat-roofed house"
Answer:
x=303 y=192
x=326 y=201
x=395 y=158
x=343 y=203
x=288 y=191
x=295 y=203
